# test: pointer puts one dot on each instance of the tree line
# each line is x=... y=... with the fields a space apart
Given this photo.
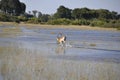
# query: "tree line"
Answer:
x=85 y=13
x=79 y=14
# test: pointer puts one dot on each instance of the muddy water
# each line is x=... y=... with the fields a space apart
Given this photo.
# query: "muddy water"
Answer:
x=32 y=54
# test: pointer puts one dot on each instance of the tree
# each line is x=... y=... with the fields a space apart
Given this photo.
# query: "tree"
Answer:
x=34 y=13
x=23 y=8
x=63 y=12
x=76 y=14
x=14 y=7
x=104 y=14
x=39 y=14
x=44 y=18
x=4 y=5
x=81 y=13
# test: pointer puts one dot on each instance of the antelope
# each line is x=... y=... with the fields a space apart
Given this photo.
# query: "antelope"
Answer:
x=61 y=39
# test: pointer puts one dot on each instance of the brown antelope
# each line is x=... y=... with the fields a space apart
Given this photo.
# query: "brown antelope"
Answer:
x=61 y=39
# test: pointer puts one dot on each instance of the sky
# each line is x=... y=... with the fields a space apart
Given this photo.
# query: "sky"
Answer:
x=50 y=6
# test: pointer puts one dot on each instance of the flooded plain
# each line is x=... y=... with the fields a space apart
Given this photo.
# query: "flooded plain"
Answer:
x=31 y=53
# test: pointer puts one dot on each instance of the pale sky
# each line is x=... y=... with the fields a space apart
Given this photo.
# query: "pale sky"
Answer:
x=50 y=6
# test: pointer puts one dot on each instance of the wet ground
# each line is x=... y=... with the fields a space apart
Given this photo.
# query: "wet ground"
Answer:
x=31 y=53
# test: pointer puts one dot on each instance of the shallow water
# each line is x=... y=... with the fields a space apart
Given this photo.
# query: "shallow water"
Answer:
x=33 y=54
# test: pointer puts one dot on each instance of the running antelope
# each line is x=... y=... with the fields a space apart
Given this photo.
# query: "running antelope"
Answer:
x=61 y=39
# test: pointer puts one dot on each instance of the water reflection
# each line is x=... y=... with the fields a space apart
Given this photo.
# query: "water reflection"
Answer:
x=1 y=78
x=60 y=49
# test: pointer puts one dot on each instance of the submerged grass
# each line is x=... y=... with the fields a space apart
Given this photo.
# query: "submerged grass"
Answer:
x=8 y=24
x=12 y=29
x=92 y=44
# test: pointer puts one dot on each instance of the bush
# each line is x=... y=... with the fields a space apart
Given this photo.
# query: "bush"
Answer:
x=97 y=23
x=75 y=22
x=22 y=18
x=84 y=22
x=8 y=18
x=34 y=20
x=80 y=22
x=4 y=17
x=14 y=19
x=118 y=28
x=112 y=25
x=61 y=21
